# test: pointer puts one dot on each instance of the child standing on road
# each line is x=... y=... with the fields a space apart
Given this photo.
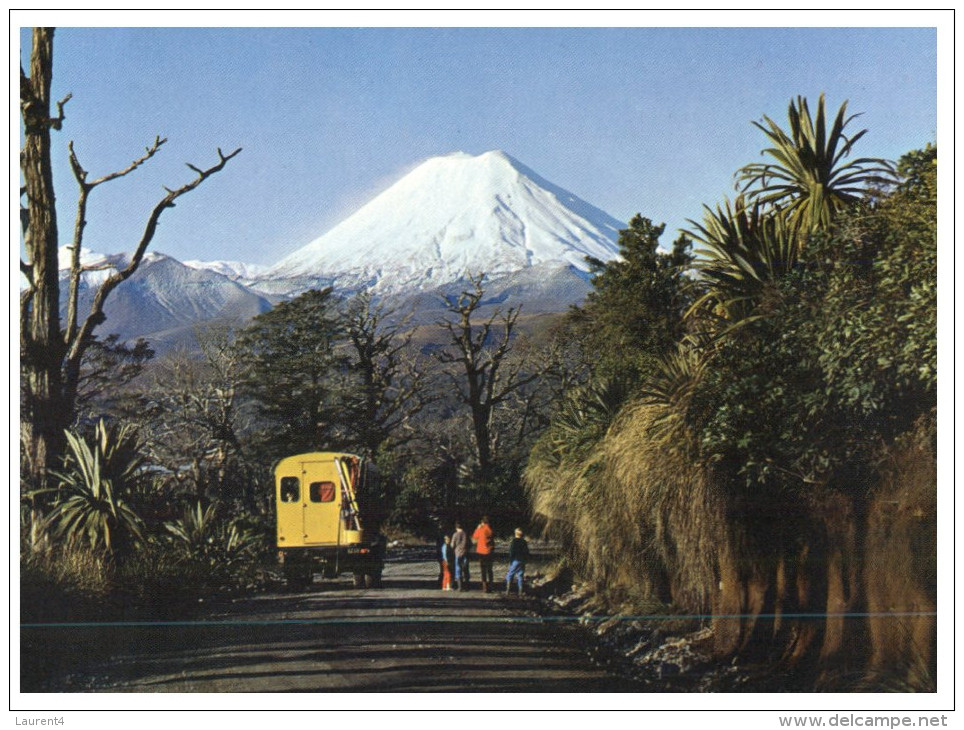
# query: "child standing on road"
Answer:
x=518 y=555
x=446 y=564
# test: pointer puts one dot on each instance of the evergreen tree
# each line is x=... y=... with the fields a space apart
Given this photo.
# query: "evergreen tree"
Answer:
x=290 y=361
x=634 y=314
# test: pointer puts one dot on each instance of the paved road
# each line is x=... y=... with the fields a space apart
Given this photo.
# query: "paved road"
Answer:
x=407 y=636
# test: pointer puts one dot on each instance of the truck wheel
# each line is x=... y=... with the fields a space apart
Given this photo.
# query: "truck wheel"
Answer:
x=360 y=580
x=373 y=579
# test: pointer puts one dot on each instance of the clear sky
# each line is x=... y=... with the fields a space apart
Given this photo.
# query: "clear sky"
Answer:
x=648 y=120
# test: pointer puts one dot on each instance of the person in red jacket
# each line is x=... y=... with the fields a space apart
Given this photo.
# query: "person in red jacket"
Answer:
x=484 y=546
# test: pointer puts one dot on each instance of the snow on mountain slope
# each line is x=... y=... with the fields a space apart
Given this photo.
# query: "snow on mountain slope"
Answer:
x=452 y=216
x=98 y=266
x=87 y=257
x=234 y=270
x=164 y=300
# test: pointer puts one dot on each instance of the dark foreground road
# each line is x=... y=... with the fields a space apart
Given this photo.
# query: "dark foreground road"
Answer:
x=405 y=637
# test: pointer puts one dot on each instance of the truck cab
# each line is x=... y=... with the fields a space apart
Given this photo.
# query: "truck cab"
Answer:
x=328 y=518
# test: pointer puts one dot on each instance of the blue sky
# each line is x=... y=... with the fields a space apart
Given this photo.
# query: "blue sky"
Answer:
x=648 y=120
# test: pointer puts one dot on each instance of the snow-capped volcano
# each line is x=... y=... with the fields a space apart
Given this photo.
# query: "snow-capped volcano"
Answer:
x=452 y=216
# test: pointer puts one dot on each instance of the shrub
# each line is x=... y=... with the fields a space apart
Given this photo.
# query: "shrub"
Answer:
x=90 y=503
x=213 y=551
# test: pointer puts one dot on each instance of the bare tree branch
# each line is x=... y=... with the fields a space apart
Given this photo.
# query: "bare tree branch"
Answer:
x=82 y=335
x=80 y=223
x=29 y=97
x=149 y=152
x=58 y=121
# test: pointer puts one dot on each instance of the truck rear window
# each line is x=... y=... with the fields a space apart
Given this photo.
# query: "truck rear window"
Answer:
x=321 y=492
x=290 y=489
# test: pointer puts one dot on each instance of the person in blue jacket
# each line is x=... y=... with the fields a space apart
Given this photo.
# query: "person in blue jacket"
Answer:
x=518 y=555
x=446 y=558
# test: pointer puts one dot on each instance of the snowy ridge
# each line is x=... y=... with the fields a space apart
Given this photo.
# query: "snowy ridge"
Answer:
x=234 y=270
x=452 y=216
x=164 y=301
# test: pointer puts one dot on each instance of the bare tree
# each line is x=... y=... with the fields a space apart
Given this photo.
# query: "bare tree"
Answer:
x=51 y=350
x=483 y=376
x=108 y=366
x=385 y=390
x=195 y=416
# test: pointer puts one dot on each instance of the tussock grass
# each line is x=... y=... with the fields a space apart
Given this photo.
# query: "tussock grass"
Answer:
x=666 y=505
x=646 y=522
x=633 y=507
x=900 y=562
x=69 y=581
x=57 y=581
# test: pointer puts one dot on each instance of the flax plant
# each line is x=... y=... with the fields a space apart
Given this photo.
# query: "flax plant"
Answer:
x=90 y=500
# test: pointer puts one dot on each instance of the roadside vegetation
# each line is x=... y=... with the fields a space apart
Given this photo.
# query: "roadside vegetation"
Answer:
x=772 y=463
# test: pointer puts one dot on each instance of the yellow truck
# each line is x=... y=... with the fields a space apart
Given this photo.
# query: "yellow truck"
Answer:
x=328 y=516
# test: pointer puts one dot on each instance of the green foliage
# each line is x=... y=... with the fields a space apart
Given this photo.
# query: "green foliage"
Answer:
x=759 y=410
x=633 y=315
x=196 y=527
x=581 y=420
x=846 y=362
x=809 y=175
x=876 y=323
x=745 y=249
x=421 y=503
x=672 y=385
x=90 y=503
x=290 y=358
x=219 y=549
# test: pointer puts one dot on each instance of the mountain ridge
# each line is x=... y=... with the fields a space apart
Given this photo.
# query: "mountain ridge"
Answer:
x=451 y=218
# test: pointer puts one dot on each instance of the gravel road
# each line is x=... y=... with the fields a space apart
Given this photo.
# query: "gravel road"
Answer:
x=407 y=636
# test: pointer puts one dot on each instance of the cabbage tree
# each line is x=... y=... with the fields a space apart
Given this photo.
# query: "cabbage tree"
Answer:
x=808 y=173
x=742 y=250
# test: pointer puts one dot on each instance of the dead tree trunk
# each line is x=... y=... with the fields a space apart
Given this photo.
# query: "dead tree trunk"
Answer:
x=41 y=346
x=52 y=350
